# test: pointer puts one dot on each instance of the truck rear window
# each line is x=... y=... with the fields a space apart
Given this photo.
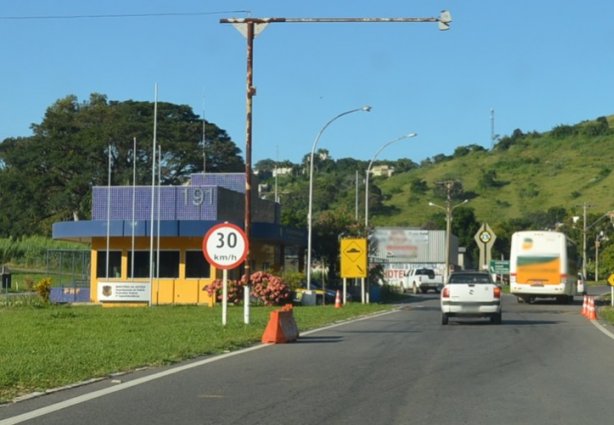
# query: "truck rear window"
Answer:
x=470 y=278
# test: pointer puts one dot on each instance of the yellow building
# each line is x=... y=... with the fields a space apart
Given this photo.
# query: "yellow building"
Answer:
x=146 y=243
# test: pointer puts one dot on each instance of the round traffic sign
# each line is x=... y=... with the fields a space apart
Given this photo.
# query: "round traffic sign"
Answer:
x=225 y=246
x=485 y=236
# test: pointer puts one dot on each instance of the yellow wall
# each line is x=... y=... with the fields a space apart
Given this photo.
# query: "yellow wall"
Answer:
x=165 y=291
x=173 y=291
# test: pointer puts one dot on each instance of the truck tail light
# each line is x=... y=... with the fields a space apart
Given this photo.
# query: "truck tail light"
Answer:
x=445 y=293
x=497 y=292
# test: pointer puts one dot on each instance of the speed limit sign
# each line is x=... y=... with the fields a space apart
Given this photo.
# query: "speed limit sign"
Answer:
x=225 y=246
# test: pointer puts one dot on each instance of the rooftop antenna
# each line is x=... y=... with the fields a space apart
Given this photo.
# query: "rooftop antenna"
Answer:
x=493 y=137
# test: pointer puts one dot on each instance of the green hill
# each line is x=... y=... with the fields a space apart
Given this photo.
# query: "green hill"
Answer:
x=523 y=174
x=528 y=180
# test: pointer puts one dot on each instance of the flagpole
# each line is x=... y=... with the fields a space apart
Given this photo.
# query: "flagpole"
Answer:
x=133 y=204
x=108 y=209
x=158 y=214
x=153 y=195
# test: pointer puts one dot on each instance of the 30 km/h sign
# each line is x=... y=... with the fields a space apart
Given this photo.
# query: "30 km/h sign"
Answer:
x=225 y=246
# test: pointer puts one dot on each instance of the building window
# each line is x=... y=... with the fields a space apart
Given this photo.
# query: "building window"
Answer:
x=141 y=263
x=196 y=265
x=115 y=264
x=169 y=264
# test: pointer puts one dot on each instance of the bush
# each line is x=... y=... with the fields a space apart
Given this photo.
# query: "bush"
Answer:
x=294 y=280
x=43 y=289
x=267 y=288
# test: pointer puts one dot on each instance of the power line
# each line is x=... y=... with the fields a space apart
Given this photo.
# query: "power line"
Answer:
x=120 y=15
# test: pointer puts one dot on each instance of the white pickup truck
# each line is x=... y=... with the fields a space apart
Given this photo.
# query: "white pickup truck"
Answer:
x=423 y=280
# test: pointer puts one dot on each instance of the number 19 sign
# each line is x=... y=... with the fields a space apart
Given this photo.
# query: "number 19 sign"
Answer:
x=225 y=246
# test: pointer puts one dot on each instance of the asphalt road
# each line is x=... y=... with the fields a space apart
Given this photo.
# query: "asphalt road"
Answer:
x=546 y=364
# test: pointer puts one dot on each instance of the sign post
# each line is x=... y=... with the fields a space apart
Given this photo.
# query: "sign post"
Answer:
x=611 y=283
x=354 y=262
x=485 y=238
x=225 y=246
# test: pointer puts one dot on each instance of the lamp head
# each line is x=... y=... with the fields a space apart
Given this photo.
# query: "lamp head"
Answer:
x=366 y=108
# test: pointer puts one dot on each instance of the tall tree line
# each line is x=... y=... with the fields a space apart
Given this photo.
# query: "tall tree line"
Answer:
x=48 y=177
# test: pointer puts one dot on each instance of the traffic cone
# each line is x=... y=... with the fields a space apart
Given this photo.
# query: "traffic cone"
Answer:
x=338 y=300
x=592 y=314
x=585 y=306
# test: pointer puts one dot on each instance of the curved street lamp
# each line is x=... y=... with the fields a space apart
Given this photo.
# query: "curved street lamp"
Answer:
x=448 y=209
x=407 y=136
x=365 y=108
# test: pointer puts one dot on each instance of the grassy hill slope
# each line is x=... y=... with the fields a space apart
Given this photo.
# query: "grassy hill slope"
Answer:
x=562 y=168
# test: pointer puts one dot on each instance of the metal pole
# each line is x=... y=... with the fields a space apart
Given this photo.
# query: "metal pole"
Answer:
x=251 y=91
x=356 y=197
x=584 y=241
x=406 y=136
x=448 y=230
x=444 y=20
x=309 y=213
x=133 y=224
x=153 y=195
x=597 y=258
x=108 y=212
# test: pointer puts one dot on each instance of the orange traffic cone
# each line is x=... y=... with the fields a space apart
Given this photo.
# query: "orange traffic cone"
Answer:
x=338 y=300
x=592 y=313
x=585 y=306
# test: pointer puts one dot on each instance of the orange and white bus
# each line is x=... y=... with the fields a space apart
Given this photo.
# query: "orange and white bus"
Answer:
x=543 y=264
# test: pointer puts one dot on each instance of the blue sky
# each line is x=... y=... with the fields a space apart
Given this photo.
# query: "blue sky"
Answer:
x=538 y=64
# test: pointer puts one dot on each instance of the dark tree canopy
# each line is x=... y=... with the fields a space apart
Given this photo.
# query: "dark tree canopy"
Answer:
x=48 y=177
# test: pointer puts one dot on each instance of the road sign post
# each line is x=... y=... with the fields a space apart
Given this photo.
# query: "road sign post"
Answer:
x=354 y=262
x=485 y=238
x=225 y=246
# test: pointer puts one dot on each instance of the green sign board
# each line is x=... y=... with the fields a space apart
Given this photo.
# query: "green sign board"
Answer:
x=499 y=266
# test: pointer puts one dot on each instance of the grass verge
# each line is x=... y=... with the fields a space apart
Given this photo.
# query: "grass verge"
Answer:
x=51 y=346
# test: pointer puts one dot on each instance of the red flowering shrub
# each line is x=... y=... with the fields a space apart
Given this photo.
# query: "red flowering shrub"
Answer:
x=235 y=291
x=267 y=288
x=270 y=289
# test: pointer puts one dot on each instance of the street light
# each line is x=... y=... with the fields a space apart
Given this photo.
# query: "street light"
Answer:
x=448 y=209
x=407 y=136
x=585 y=229
x=365 y=108
x=599 y=237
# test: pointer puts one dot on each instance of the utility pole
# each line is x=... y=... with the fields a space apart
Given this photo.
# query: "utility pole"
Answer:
x=449 y=208
x=584 y=207
x=250 y=28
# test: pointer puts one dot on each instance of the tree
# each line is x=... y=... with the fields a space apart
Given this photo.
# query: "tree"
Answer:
x=488 y=179
x=403 y=165
x=417 y=185
x=50 y=174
